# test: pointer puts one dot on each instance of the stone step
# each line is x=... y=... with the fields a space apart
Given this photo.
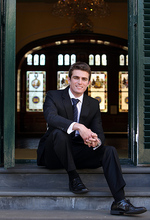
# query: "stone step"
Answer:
x=35 y=188
x=31 y=175
x=66 y=215
x=30 y=199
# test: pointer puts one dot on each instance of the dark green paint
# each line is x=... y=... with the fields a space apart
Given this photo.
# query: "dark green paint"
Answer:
x=1 y=90
x=139 y=123
x=132 y=68
x=9 y=84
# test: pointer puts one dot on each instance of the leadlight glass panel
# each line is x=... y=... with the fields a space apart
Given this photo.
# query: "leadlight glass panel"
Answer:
x=126 y=60
x=121 y=60
x=42 y=59
x=35 y=90
x=97 y=60
x=91 y=59
x=98 y=88
x=36 y=59
x=123 y=91
x=18 y=91
x=104 y=60
x=73 y=59
x=62 y=79
x=60 y=60
x=29 y=59
x=67 y=60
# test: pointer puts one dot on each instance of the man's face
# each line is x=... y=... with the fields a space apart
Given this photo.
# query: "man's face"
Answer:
x=79 y=82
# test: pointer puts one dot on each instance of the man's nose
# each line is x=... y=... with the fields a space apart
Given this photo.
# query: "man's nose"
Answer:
x=80 y=81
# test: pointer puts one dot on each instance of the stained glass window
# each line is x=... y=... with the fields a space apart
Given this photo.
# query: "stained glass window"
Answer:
x=91 y=59
x=123 y=91
x=104 y=60
x=36 y=59
x=98 y=88
x=67 y=61
x=62 y=79
x=73 y=59
x=126 y=60
x=18 y=91
x=121 y=60
x=29 y=59
x=35 y=90
x=42 y=59
x=60 y=60
x=97 y=60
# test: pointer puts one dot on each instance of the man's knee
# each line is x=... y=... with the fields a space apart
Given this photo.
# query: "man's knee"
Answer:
x=60 y=135
x=110 y=150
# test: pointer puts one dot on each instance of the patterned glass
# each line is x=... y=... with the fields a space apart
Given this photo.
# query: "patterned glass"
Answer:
x=36 y=59
x=35 y=90
x=29 y=59
x=104 y=60
x=97 y=60
x=123 y=91
x=98 y=88
x=91 y=59
x=42 y=59
x=121 y=60
x=62 y=79
x=60 y=60
x=73 y=59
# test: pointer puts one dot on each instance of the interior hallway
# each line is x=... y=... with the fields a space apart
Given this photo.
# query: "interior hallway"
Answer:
x=26 y=146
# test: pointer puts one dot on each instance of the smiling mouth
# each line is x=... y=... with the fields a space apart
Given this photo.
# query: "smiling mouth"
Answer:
x=80 y=87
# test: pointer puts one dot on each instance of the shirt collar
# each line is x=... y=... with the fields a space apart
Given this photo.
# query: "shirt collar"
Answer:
x=72 y=96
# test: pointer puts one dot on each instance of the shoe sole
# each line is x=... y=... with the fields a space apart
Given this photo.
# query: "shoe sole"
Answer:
x=115 y=212
x=79 y=192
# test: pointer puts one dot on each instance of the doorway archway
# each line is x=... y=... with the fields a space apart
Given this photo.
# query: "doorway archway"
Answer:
x=115 y=118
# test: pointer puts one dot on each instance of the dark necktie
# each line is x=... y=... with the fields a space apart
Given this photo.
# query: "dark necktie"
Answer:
x=75 y=110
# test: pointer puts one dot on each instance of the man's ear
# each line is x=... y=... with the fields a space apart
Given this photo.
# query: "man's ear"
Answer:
x=89 y=83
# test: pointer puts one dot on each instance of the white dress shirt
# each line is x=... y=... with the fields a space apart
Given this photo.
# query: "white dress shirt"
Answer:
x=79 y=105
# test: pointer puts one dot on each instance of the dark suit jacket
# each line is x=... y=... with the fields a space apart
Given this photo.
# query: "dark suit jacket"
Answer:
x=58 y=113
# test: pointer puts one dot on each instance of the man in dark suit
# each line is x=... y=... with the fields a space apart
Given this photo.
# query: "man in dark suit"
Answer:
x=75 y=139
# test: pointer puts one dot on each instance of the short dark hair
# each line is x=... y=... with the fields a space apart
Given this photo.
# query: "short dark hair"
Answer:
x=80 y=66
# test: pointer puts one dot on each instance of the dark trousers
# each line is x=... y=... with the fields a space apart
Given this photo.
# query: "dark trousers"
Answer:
x=64 y=151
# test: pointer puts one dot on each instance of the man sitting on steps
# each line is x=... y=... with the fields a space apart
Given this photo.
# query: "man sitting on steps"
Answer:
x=75 y=139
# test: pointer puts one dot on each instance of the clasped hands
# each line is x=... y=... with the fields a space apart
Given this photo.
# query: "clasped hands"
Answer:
x=90 y=138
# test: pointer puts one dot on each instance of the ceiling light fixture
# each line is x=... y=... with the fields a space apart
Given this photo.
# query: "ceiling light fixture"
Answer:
x=81 y=10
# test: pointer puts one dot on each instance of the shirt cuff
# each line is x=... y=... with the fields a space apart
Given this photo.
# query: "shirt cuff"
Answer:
x=70 y=130
x=99 y=144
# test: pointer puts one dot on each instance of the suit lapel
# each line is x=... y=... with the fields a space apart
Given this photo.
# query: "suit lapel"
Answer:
x=67 y=103
x=85 y=109
x=68 y=106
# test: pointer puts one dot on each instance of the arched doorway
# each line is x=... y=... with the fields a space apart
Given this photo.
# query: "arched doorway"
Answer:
x=108 y=58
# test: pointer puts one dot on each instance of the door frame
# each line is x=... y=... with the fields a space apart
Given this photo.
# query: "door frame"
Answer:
x=136 y=72
x=7 y=124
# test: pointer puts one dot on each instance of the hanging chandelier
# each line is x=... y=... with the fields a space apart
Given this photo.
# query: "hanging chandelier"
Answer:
x=81 y=10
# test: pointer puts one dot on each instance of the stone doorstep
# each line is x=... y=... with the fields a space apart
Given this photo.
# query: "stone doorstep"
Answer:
x=44 y=202
x=33 y=168
x=65 y=215
x=37 y=197
x=29 y=175
x=53 y=192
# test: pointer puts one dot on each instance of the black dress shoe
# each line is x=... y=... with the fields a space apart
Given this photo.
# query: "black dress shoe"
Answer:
x=125 y=207
x=76 y=186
